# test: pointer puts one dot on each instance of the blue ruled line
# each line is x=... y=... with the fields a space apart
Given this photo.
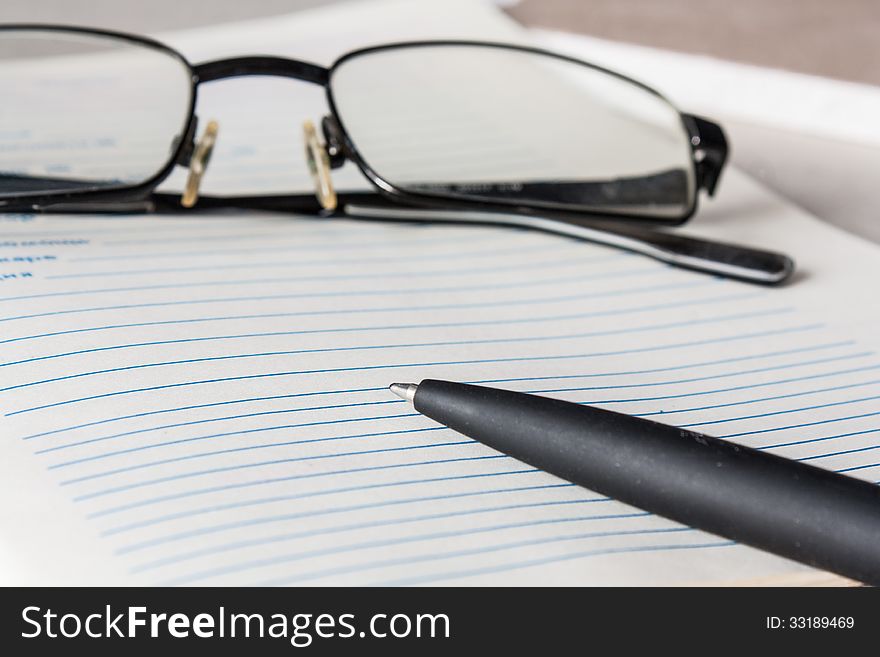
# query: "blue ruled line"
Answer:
x=753 y=400
x=314 y=493
x=800 y=426
x=517 y=320
x=435 y=556
x=692 y=343
x=544 y=299
x=251 y=522
x=415 y=345
x=789 y=410
x=216 y=419
x=285 y=559
x=206 y=405
x=332 y=438
x=286 y=478
x=843 y=452
x=245 y=432
x=282 y=538
x=540 y=378
x=454 y=255
x=818 y=440
x=398 y=401
x=333 y=294
x=419 y=273
x=865 y=466
x=157 y=520
x=424 y=579
x=298 y=245
x=334 y=455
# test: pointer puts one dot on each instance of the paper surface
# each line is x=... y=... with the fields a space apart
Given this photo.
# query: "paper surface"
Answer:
x=202 y=400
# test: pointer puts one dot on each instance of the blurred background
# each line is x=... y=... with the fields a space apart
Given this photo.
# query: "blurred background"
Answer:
x=796 y=83
x=835 y=38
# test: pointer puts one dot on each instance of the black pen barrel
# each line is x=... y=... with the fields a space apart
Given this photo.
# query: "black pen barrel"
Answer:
x=789 y=508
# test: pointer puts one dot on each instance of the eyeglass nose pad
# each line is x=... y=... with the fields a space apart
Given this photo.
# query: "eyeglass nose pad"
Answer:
x=319 y=166
x=198 y=164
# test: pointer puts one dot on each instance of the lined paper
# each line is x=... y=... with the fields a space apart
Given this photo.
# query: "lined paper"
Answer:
x=203 y=399
x=213 y=407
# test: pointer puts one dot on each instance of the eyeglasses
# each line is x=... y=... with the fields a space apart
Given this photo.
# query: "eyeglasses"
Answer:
x=451 y=131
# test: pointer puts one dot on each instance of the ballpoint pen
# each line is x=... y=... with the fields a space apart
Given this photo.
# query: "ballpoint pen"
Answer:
x=791 y=509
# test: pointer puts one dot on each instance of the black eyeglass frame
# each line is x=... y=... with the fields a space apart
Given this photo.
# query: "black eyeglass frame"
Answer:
x=637 y=233
x=707 y=139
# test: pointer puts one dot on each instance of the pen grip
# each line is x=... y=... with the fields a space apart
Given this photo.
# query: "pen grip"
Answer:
x=792 y=509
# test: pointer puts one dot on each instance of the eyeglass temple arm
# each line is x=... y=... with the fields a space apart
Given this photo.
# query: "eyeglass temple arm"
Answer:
x=674 y=248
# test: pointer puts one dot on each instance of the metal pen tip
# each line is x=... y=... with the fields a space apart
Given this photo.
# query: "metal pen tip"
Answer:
x=405 y=391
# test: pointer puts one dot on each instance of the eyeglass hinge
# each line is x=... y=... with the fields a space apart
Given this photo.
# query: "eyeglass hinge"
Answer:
x=334 y=142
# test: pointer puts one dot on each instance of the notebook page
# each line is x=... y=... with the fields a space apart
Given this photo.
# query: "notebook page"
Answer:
x=203 y=400
x=218 y=413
